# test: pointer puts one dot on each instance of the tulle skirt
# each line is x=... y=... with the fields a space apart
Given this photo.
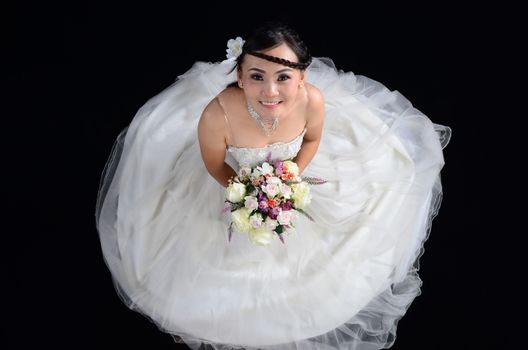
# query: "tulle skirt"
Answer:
x=341 y=282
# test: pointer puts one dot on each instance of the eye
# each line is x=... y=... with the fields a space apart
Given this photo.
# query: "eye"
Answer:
x=283 y=77
x=256 y=77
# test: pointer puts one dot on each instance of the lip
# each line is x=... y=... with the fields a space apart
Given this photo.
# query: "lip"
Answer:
x=270 y=106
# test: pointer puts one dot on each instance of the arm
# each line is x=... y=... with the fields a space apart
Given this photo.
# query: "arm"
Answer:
x=211 y=136
x=314 y=127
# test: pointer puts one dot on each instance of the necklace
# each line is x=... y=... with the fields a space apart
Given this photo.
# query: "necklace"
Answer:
x=267 y=125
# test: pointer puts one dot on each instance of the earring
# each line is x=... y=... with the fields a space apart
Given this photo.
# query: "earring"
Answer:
x=240 y=84
x=301 y=85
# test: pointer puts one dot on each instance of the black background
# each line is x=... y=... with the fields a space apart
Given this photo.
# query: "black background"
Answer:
x=75 y=76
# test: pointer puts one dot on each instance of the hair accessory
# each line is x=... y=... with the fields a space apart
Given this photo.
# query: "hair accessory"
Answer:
x=234 y=47
x=288 y=63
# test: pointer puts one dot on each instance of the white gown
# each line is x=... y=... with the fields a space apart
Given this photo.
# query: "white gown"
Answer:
x=341 y=282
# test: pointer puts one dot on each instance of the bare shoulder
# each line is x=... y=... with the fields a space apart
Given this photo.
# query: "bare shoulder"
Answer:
x=315 y=113
x=211 y=136
x=315 y=97
x=212 y=130
x=316 y=105
x=213 y=114
x=210 y=119
x=229 y=95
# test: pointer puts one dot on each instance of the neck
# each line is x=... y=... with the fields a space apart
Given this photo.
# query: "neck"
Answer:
x=255 y=115
x=267 y=125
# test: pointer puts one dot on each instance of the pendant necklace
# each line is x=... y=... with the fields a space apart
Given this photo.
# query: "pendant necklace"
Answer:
x=267 y=125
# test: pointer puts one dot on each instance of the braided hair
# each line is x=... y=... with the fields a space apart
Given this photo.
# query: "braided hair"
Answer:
x=285 y=62
x=269 y=35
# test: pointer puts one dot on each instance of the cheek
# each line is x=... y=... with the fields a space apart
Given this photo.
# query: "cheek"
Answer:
x=251 y=90
x=290 y=91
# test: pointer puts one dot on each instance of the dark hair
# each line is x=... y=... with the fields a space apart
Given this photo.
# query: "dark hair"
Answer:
x=271 y=34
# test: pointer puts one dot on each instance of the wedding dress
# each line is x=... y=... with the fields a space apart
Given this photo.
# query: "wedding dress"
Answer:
x=341 y=282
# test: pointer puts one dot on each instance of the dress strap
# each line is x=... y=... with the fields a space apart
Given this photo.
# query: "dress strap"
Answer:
x=226 y=119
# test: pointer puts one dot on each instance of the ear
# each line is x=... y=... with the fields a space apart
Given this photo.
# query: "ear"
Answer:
x=301 y=81
x=239 y=76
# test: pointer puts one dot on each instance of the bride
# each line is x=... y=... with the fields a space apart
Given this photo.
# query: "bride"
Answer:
x=340 y=282
x=270 y=89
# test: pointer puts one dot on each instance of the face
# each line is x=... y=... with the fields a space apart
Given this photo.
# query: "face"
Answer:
x=269 y=87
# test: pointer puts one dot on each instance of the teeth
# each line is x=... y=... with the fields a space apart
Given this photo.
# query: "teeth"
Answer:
x=269 y=103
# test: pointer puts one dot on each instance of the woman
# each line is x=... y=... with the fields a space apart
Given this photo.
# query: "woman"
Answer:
x=340 y=282
x=275 y=92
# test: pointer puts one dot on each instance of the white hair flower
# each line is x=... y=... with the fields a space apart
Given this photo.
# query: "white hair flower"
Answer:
x=234 y=47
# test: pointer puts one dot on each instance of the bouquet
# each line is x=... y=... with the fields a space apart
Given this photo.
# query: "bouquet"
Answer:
x=266 y=200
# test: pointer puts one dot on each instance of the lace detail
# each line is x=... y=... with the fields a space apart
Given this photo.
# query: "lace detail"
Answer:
x=251 y=156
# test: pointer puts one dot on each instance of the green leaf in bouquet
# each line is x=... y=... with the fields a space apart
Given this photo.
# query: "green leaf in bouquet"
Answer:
x=235 y=206
x=250 y=188
x=305 y=214
x=230 y=232
x=279 y=229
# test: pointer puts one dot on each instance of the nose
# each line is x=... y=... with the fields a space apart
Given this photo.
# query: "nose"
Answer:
x=270 y=89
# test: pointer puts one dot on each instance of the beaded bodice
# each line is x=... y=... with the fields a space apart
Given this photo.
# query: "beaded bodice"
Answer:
x=251 y=156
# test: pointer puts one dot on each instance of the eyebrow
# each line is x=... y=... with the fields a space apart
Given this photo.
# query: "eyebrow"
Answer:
x=279 y=71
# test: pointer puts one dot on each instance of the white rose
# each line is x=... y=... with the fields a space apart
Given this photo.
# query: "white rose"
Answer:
x=234 y=47
x=260 y=236
x=251 y=203
x=301 y=195
x=271 y=190
x=256 y=220
x=240 y=219
x=244 y=172
x=266 y=169
x=235 y=192
x=284 y=217
x=273 y=180
x=285 y=190
x=270 y=223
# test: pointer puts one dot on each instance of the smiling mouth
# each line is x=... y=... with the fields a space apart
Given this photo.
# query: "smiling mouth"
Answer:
x=270 y=103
